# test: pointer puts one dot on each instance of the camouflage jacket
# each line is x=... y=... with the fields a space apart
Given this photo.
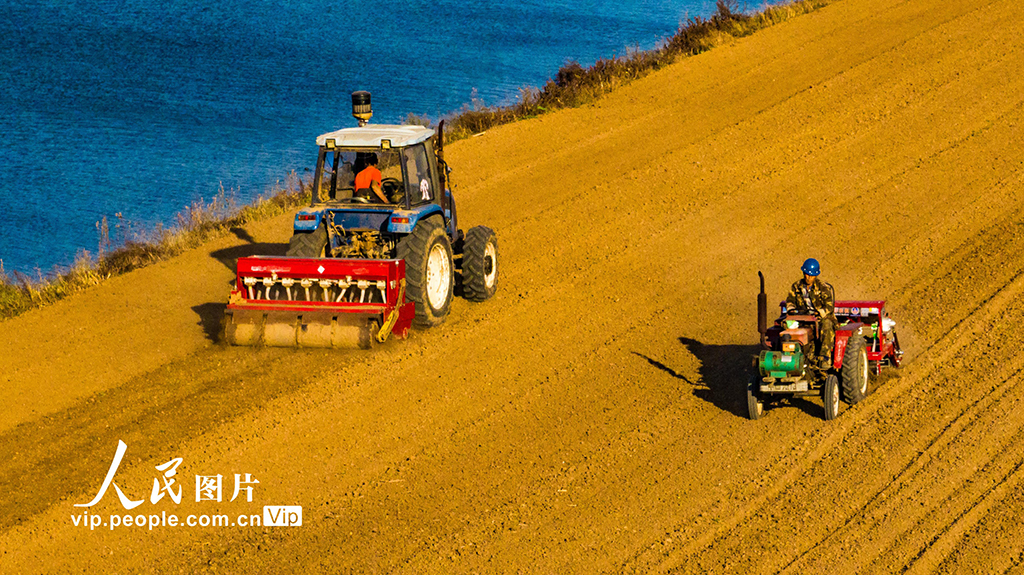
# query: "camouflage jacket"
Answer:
x=820 y=294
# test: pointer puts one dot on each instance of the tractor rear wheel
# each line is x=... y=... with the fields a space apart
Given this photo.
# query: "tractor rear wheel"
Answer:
x=429 y=271
x=755 y=405
x=855 y=370
x=831 y=397
x=308 y=244
x=480 y=264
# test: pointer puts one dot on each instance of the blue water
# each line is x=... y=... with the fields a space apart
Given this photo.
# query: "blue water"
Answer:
x=142 y=107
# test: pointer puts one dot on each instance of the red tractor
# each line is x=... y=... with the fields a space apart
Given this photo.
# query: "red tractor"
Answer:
x=865 y=341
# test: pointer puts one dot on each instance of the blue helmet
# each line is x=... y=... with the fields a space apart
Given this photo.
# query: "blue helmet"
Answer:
x=811 y=267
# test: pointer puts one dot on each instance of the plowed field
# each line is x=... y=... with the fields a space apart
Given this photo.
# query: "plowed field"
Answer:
x=591 y=417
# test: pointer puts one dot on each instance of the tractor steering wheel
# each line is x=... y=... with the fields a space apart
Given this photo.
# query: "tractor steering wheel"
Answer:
x=392 y=183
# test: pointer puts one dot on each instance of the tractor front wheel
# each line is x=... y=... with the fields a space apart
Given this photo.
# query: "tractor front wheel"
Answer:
x=480 y=264
x=755 y=405
x=855 y=370
x=429 y=271
x=831 y=397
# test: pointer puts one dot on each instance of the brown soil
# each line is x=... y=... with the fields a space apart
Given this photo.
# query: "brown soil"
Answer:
x=591 y=417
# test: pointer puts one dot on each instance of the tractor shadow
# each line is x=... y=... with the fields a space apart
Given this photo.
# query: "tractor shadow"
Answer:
x=212 y=314
x=210 y=317
x=457 y=289
x=724 y=371
x=229 y=256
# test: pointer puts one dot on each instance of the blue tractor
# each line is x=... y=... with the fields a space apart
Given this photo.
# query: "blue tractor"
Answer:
x=407 y=212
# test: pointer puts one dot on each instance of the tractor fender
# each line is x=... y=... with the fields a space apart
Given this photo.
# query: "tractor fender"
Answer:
x=307 y=220
x=843 y=334
x=403 y=221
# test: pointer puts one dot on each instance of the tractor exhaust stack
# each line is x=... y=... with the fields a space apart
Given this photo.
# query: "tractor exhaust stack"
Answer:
x=762 y=312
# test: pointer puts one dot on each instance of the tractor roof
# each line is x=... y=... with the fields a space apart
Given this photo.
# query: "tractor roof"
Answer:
x=371 y=136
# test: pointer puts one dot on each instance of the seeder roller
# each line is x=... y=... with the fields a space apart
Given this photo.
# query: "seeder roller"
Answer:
x=317 y=302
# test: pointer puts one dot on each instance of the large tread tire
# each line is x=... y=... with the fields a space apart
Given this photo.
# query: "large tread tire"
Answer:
x=308 y=244
x=855 y=370
x=428 y=236
x=755 y=405
x=480 y=264
x=831 y=396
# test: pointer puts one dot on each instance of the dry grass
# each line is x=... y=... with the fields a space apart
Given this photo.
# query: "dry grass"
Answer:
x=572 y=86
x=132 y=249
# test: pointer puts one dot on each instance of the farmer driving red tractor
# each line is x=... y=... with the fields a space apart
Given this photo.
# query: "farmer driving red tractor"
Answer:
x=819 y=346
x=811 y=295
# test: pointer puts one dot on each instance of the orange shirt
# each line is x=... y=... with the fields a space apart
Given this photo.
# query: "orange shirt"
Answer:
x=366 y=177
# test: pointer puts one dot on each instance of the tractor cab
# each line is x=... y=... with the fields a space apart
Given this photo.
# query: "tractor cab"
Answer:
x=358 y=222
x=409 y=172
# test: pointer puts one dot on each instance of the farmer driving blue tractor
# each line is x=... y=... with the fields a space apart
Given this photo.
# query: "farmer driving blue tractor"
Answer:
x=813 y=296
